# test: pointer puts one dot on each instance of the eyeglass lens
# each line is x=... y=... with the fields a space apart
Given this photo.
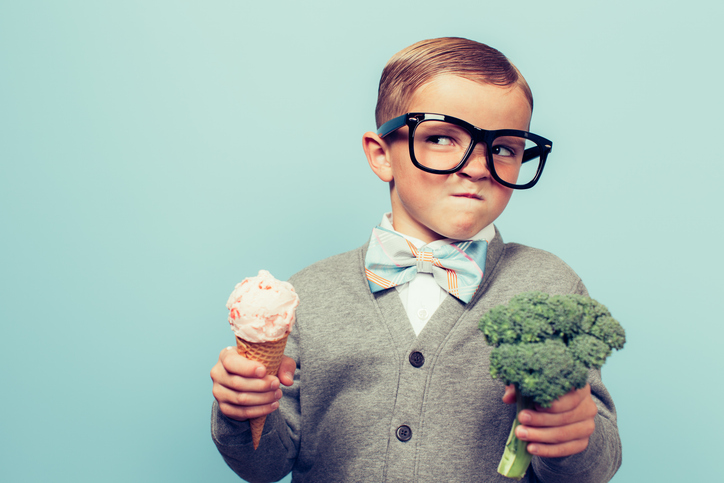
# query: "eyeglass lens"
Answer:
x=442 y=145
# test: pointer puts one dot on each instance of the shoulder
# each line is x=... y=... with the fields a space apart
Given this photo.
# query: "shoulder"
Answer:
x=330 y=291
x=345 y=270
x=515 y=253
x=526 y=268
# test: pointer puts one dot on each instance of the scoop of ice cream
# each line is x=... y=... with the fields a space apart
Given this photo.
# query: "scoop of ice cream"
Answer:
x=261 y=308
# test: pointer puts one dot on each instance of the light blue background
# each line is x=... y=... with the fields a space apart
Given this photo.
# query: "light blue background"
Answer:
x=154 y=153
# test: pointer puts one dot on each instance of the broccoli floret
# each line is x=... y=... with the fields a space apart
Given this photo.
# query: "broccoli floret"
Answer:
x=524 y=320
x=544 y=345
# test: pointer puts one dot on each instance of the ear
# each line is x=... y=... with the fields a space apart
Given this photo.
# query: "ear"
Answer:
x=378 y=156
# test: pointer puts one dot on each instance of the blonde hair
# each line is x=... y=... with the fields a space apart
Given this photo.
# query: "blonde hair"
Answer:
x=419 y=63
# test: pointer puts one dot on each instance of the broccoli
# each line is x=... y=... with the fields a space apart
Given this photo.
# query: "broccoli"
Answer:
x=544 y=344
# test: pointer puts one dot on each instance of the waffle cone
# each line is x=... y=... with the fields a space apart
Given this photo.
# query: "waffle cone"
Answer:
x=270 y=354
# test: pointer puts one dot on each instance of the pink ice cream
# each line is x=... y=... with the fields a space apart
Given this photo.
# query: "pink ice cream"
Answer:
x=261 y=308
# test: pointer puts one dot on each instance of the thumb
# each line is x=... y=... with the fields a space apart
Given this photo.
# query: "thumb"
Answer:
x=509 y=396
x=286 y=371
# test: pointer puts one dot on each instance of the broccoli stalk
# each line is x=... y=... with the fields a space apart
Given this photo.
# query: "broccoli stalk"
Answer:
x=516 y=459
x=544 y=345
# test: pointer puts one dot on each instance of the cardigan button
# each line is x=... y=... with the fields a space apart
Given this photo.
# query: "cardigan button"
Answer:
x=404 y=433
x=417 y=359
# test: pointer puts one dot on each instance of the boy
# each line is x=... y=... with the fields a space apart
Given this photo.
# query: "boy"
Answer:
x=392 y=384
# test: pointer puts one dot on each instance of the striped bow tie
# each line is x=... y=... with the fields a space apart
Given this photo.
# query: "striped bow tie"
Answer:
x=392 y=260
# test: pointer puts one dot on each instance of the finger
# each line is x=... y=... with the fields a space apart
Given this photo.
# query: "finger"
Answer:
x=509 y=396
x=224 y=395
x=568 y=401
x=242 y=413
x=236 y=364
x=558 y=450
x=286 y=371
x=586 y=410
x=219 y=375
x=250 y=384
x=557 y=434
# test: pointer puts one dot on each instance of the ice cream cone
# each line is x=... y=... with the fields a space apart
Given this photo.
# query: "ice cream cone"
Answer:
x=261 y=314
x=270 y=354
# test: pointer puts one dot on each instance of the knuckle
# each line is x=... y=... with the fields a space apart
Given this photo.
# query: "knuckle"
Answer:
x=225 y=362
x=547 y=451
x=242 y=384
x=236 y=383
x=216 y=372
x=256 y=411
x=242 y=399
x=561 y=436
x=232 y=412
x=592 y=410
x=551 y=451
x=584 y=444
x=566 y=418
x=566 y=433
x=225 y=354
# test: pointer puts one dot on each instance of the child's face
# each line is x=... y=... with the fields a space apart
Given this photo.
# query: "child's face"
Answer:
x=432 y=206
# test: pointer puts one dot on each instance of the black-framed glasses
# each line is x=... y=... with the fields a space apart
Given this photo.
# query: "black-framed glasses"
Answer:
x=442 y=144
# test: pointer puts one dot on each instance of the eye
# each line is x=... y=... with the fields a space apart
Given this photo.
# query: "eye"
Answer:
x=441 y=136
x=440 y=140
x=501 y=150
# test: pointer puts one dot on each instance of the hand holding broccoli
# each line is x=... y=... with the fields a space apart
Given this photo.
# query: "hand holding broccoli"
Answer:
x=561 y=430
x=544 y=345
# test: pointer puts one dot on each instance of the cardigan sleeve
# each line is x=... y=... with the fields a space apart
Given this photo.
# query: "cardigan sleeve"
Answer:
x=601 y=459
x=279 y=445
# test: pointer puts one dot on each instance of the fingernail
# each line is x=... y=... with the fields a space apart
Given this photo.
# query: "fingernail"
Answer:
x=259 y=372
x=275 y=405
x=522 y=433
x=524 y=417
x=288 y=375
x=278 y=394
x=532 y=449
x=275 y=385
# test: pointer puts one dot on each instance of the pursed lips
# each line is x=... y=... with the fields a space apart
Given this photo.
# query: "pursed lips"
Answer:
x=473 y=196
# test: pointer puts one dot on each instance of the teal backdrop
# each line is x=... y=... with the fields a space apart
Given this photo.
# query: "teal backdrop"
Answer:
x=154 y=153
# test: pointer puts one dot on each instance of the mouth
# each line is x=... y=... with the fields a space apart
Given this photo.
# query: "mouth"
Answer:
x=472 y=196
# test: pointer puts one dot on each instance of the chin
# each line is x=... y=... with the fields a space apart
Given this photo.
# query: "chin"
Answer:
x=463 y=232
x=470 y=226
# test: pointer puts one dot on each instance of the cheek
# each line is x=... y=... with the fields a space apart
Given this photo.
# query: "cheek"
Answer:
x=508 y=172
x=503 y=197
x=499 y=198
x=417 y=188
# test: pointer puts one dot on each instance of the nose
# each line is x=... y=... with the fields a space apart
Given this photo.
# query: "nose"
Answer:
x=476 y=167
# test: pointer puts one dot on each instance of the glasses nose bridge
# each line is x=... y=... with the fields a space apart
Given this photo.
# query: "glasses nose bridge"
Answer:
x=478 y=146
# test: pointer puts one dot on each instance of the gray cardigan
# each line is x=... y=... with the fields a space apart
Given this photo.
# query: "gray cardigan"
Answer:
x=359 y=410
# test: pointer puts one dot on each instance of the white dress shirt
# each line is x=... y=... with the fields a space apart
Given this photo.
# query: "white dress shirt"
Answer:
x=421 y=296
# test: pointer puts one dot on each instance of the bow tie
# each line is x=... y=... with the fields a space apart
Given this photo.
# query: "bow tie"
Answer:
x=393 y=260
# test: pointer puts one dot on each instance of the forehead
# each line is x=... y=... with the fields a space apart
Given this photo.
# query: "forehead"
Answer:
x=484 y=105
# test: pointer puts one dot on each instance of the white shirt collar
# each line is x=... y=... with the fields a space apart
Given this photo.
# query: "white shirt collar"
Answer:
x=487 y=234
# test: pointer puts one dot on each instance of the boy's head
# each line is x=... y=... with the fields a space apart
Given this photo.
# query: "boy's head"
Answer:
x=442 y=102
x=419 y=63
